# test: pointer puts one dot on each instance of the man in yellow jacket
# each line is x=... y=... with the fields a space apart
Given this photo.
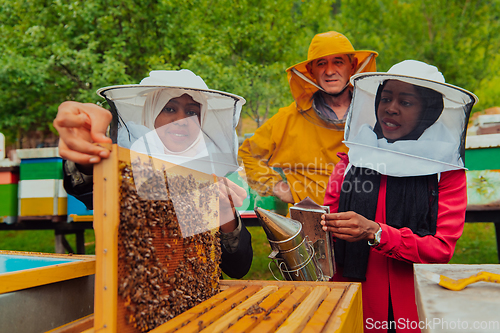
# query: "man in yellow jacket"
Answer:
x=304 y=138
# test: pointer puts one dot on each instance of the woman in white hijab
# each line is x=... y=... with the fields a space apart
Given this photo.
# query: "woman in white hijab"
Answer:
x=169 y=114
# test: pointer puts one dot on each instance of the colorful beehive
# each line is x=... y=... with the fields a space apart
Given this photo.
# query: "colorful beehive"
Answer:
x=39 y=291
x=482 y=158
x=272 y=306
x=9 y=178
x=41 y=191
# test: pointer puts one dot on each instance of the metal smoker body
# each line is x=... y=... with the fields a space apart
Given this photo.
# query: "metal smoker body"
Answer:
x=292 y=252
x=308 y=213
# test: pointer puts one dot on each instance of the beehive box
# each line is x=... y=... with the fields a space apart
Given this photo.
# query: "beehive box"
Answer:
x=40 y=291
x=41 y=192
x=9 y=178
x=157 y=246
x=272 y=306
x=123 y=186
x=482 y=158
x=267 y=306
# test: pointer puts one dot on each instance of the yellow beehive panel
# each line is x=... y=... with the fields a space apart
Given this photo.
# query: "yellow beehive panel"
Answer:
x=270 y=306
x=186 y=317
x=348 y=315
x=42 y=206
x=298 y=319
x=208 y=318
x=230 y=318
x=321 y=316
x=257 y=314
x=292 y=307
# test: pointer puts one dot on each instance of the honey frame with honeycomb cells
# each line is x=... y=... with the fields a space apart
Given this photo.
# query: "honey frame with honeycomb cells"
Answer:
x=110 y=313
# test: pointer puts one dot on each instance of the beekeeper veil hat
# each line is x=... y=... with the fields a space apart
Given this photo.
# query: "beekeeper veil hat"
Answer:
x=136 y=107
x=302 y=83
x=435 y=140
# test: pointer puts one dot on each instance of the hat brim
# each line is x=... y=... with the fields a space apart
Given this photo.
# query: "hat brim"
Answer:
x=140 y=90
x=449 y=91
x=360 y=55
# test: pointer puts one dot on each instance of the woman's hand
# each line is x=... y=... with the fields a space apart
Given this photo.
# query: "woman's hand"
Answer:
x=230 y=196
x=79 y=126
x=283 y=192
x=349 y=226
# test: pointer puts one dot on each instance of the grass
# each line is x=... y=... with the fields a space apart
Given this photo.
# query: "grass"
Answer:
x=40 y=241
x=261 y=249
x=476 y=246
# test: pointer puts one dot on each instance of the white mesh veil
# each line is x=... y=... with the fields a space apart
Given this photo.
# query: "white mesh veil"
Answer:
x=212 y=149
x=220 y=115
x=436 y=141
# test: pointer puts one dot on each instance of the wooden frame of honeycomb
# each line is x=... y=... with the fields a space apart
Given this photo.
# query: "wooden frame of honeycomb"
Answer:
x=146 y=271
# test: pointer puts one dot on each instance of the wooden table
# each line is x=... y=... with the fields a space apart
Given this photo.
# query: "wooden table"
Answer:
x=473 y=309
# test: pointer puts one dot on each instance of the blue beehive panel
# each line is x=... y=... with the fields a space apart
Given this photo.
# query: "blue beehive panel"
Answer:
x=77 y=207
x=13 y=263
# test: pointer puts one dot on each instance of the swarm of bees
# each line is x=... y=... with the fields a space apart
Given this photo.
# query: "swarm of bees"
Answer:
x=169 y=252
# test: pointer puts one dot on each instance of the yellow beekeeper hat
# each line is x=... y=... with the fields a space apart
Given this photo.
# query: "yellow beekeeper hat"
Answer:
x=322 y=45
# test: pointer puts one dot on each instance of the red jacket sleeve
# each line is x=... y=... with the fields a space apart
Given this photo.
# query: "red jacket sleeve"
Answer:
x=403 y=244
x=335 y=183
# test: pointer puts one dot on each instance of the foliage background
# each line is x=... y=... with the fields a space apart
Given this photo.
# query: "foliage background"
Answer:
x=56 y=50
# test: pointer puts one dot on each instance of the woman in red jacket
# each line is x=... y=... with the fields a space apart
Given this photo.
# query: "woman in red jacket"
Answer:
x=399 y=196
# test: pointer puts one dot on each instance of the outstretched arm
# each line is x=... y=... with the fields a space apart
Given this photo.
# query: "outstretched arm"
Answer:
x=402 y=244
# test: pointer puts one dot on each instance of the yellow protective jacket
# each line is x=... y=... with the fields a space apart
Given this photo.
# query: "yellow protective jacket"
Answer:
x=296 y=139
x=306 y=152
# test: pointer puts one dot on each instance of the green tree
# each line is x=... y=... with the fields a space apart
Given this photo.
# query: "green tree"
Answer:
x=459 y=37
x=247 y=45
x=53 y=51
x=56 y=50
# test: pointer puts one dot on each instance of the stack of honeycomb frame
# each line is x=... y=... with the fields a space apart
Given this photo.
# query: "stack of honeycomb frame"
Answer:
x=266 y=307
x=275 y=306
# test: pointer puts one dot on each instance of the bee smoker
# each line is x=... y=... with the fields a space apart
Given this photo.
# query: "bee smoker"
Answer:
x=292 y=253
x=308 y=213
